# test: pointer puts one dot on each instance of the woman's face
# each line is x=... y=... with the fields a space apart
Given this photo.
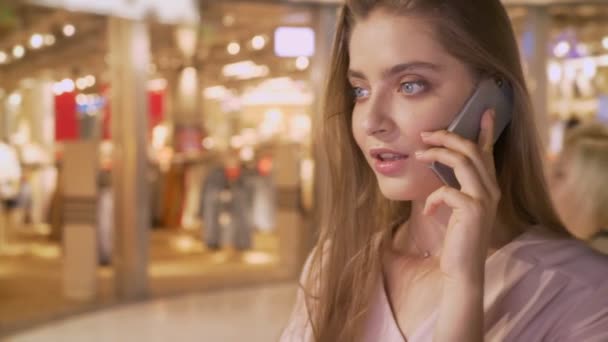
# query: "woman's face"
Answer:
x=404 y=83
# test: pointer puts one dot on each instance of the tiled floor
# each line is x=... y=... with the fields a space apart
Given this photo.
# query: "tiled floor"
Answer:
x=252 y=315
x=31 y=288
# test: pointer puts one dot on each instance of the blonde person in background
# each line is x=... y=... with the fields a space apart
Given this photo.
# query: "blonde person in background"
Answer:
x=579 y=184
x=400 y=256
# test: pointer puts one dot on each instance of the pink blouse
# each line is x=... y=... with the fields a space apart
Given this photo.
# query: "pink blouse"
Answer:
x=539 y=287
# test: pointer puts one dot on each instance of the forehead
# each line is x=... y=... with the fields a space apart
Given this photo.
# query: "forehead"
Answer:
x=386 y=39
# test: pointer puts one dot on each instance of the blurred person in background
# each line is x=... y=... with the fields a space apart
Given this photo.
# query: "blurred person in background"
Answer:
x=10 y=190
x=579 y=184
x=401 y=256
x=10 y=175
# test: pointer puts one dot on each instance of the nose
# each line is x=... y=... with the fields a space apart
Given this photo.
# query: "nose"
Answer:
x=378 y=121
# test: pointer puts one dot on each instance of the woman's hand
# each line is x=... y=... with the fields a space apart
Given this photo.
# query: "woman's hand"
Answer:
x=473 y=207
x=466 y=243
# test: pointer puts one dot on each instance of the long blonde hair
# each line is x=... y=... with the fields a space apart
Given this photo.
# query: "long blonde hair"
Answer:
x=586 y=153
x=352 y=211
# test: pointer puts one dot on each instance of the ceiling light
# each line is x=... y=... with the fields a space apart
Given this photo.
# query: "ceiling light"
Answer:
x=245 y=70
x=561 y=49
x=36 y=41
x=302 y=63
x=81 y=83
x=18 y=51
x=69 y=30
x=49 y=39
x=258 y=42
x=67 y=85
x=90 y=80
x=233 y=48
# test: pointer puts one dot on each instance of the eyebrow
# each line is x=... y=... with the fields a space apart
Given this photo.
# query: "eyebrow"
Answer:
x=396 y=69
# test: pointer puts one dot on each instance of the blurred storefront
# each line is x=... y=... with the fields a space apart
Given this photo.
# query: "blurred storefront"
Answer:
x=226 y=116
x=564 y=45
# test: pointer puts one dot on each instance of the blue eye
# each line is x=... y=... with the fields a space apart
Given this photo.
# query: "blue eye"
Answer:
x=359 y=92
x=412 y=88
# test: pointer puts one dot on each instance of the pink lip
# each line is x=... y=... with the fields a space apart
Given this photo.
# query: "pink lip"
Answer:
x=388 y=167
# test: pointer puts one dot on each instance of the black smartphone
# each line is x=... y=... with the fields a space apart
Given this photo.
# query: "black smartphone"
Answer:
x=489 y=93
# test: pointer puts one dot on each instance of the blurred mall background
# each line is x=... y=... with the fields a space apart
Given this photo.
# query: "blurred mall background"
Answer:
x=156 y=162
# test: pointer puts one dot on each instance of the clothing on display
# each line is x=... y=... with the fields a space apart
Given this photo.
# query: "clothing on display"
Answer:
x=264 y=204
x=194 y=174
x=226 y=210
x=105 y=217
x=173 y=197
x=155 y=191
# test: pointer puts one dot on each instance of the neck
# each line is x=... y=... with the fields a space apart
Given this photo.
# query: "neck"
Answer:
x=423 y=234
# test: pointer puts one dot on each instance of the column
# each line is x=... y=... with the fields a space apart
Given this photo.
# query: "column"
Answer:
x=325 y=27
x=130 y=55
x=79 y=217
x=534 y=50
x=289 y=220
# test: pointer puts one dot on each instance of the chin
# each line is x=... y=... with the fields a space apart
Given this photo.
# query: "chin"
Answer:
x=406 y=188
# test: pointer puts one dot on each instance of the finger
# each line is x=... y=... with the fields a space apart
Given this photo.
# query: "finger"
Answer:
x=446 y=195
x=486 y=140
x=484 y=164
x=470 y=179
x=486 y=134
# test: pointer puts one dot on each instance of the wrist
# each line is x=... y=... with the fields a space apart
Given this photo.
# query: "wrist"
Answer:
x=473 y=283
x=471 y=272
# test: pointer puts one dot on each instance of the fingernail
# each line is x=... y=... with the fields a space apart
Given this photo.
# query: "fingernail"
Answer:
x=419 y=154
x=425 y=134
x=488 y=121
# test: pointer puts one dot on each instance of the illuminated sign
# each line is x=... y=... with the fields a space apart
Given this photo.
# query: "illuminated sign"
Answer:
x=294 y=42
x=170 y=12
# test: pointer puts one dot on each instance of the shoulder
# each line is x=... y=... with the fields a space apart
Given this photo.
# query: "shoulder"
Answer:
x=570 y=258
x=567 y=282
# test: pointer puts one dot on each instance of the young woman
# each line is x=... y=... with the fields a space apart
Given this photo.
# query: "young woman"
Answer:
x=580 y=175
x=400 y=255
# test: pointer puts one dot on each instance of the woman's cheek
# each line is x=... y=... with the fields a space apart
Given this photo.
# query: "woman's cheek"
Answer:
x=420 y=123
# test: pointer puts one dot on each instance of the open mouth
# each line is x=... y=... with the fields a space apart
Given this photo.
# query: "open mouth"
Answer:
x=383 y=157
